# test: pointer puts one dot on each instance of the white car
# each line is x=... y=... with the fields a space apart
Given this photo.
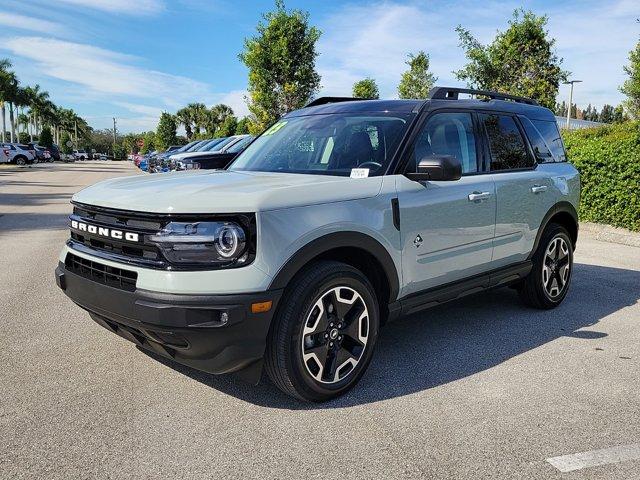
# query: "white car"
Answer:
x=81 y=155
x=17 y=153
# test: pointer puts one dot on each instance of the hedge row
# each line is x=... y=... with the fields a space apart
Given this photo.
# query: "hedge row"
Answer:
x=608 y=159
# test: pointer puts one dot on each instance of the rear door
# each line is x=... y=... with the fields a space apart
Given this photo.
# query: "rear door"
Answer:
x=447 y=227
x=525 y=192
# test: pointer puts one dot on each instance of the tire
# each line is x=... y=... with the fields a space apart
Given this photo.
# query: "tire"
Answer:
x=312 y=350
x=547 y=284
x=21 y=161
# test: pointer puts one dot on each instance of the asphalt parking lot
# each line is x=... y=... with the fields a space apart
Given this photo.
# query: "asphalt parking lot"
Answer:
x=480 y=388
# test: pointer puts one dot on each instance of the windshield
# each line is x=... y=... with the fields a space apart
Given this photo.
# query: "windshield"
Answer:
x=238 y=146
x=225 y=141
x=331 y=144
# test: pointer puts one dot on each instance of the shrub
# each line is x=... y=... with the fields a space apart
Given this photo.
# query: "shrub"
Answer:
x=608 y=159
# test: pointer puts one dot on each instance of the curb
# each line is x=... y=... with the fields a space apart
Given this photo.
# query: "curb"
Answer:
x=607 y=233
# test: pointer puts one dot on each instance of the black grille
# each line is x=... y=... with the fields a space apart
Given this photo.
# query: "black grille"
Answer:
x=104 y=274
x=142 y=253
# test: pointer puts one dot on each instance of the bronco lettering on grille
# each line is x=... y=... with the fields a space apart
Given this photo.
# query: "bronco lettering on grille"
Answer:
x=105 y=232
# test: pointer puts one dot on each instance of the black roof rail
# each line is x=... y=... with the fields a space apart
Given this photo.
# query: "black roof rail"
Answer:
x=451 y=93
x=325 y=100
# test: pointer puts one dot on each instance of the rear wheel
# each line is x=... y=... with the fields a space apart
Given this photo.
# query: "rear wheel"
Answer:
x=21 y=161
x=548 y=282
x=323 y=337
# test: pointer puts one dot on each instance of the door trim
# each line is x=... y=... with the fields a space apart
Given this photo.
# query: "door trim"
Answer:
x=432 y=297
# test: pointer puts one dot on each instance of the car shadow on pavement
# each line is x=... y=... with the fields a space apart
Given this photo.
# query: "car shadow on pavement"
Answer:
x=459 y=339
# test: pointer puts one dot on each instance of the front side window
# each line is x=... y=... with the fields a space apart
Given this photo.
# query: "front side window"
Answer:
x=508 y=149
x=447 y=134
x=329 y=144
x=551 y=134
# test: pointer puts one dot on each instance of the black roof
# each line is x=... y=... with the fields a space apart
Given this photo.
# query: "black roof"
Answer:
x=440 y=97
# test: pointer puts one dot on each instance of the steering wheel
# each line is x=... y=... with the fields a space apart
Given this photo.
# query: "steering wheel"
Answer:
x=370 y=165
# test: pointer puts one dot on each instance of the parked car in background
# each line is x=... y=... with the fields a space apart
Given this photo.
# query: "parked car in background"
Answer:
x=215 y=145
x=55 y=152
x=218 y=159
x=42 y=153
x=18 y=153
x=81 y=154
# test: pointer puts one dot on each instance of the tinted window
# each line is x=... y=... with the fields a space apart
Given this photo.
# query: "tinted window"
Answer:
x=508 y=149
x=540 y=147
x=551 y=135
x=447 y=134
x=237 y=147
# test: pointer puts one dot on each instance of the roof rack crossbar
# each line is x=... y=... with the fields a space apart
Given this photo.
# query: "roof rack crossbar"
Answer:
x=325 y=100
x=451 y=93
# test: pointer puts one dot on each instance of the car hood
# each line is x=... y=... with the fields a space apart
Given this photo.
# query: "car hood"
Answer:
x=221 y=191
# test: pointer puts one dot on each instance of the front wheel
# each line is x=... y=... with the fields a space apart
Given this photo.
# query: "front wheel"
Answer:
x=548 y=282
x=323 y=336
x=21 y=161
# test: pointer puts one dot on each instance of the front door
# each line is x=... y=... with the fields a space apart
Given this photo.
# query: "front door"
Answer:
x=447 y=228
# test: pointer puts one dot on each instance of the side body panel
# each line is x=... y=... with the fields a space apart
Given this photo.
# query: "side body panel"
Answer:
x=284 y=232
x=445 y=235
x=523 y=200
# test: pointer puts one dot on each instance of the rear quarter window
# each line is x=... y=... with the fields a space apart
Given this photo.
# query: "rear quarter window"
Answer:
x=551 y=134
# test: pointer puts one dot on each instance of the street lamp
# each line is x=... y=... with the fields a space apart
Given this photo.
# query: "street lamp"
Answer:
x=570 y=82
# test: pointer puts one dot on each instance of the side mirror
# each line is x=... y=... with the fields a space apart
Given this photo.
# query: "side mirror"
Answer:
x=437 y=167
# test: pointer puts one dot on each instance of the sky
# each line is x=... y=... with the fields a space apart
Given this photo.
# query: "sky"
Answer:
x=132 y=59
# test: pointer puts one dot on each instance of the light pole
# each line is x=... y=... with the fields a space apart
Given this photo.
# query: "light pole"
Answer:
x=570 y=82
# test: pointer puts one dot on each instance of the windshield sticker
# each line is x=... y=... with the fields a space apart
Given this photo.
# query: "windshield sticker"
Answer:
x=359 y=172
x=274 y=128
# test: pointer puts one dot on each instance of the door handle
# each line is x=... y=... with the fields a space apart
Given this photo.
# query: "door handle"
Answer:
x=539 y=188
x=477 y=196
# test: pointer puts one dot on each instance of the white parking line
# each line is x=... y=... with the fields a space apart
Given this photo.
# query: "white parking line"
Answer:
x=593 y=458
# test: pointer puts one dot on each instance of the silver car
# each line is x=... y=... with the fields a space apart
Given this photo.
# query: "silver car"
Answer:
x=339 y=218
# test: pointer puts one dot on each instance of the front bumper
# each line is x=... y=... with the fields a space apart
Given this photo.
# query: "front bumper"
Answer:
x=189 y=329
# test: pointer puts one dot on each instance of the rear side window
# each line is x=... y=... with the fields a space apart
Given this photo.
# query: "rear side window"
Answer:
x=551 y=135
x=540 y=148
x=508 y=148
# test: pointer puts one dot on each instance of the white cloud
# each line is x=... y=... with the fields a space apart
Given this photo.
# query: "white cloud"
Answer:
x=373 y=40
x=103 y=71
x=137 y=7
x=27 y=23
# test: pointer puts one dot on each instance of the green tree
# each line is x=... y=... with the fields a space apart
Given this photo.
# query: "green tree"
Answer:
x=631 y=86
x=619 y=115
x=520 y=60
x=418 y=80
x=366 y=88
x=66 y=145
x=166 y=132
x=46 y=139
x=242 y=127
x=281 y=62
x=217 y=116
x=149 y=142
x=228 y=127
x=606 y=114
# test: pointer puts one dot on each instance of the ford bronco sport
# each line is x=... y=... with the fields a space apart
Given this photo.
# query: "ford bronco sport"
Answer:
x=340 y=217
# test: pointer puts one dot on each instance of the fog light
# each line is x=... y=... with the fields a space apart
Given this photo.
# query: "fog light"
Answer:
x=224 y=318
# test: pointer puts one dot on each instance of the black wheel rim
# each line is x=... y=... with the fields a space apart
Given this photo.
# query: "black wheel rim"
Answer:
x=335 y=335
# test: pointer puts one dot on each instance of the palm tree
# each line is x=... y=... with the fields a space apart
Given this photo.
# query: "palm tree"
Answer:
x=7 y=80
x=199 y=116
x=184 y=117
x=21 y=99
x=217 y=115
x=38 y=103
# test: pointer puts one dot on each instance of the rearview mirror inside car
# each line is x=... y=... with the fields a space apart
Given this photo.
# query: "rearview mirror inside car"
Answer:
x=437 y=167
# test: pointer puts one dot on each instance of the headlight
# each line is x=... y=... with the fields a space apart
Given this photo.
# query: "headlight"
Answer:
x=204 y=243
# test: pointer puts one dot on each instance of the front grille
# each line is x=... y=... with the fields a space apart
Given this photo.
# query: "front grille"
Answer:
x=100 y=273
x=141 y=253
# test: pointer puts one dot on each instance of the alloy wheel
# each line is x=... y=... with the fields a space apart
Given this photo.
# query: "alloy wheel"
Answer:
x=556 y=267
x=335 y=334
